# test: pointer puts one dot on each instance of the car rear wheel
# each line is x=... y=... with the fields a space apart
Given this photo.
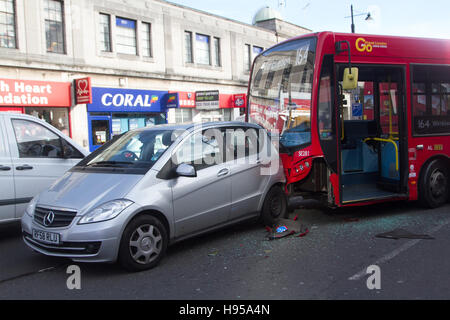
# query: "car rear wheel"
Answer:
x=143 y=244
x=274 y=207
x=434 y=185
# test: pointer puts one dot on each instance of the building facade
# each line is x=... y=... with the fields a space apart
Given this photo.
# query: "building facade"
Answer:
x=142 y=63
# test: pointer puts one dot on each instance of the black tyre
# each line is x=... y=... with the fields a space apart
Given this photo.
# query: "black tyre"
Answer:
x=143 y=244
x=434 y=184
x=274 y=207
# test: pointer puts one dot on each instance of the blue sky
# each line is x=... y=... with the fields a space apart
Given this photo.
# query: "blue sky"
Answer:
x=417 y=18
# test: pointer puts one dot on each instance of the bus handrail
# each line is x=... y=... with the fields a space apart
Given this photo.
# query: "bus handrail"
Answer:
x=391 y=141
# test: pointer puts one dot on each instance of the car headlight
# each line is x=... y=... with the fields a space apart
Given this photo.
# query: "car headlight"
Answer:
x=31 y=206
x=106 y=211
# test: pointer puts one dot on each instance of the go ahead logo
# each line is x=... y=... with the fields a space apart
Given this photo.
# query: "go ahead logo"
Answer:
x=362 y=45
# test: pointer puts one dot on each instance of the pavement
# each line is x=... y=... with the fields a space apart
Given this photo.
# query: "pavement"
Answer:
x=239 y=263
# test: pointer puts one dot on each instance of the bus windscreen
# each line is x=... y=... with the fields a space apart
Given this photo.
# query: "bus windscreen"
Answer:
x=281 y=89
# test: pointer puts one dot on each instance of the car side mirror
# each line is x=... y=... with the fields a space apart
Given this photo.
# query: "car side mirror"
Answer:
x=186 y=170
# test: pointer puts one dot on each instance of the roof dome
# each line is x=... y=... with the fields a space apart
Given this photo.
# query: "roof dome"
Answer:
x=266 y=13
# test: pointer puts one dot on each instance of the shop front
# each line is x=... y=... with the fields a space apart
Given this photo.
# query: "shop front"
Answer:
x=114 y=111
x=206 y=106
x=46 y=100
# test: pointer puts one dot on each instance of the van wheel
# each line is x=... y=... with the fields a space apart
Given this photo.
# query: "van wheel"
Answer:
x=143 y=243
x=274 y=206
x=434 y=185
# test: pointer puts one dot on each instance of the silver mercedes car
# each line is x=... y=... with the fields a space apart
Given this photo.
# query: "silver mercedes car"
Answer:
x=151 y=187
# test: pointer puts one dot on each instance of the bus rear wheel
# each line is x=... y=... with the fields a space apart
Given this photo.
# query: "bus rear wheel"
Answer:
x=434 y=185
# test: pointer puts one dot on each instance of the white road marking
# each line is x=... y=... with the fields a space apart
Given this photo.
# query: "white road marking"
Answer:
x=397 y=251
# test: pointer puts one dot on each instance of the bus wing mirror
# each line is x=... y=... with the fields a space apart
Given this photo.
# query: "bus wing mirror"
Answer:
x=350 y=80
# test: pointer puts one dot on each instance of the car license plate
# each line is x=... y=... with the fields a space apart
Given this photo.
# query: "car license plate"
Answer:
x=47 y=237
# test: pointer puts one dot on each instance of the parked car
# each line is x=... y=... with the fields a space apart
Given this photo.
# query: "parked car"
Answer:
x=155 y=186
x=33 y=154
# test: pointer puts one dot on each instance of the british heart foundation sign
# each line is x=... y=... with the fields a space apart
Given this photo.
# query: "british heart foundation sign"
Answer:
x=26 y=93
x=83 y=92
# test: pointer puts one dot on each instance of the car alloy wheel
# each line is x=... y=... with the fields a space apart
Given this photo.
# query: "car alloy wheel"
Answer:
x=145 y=244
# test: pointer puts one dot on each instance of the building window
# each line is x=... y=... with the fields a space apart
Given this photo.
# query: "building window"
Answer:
x=54 y=26
x=250 y=54
x=126 y=36
x=256 y=50
x=183 y=115
x=247 y=62
x=105 y=32
x=188 y=47
x=217 y=52
x=202 y=49
x=431 y=99
x=7 y=24
x=146 y=39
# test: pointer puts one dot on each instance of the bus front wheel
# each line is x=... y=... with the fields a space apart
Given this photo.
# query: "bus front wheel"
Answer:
x=434 y=185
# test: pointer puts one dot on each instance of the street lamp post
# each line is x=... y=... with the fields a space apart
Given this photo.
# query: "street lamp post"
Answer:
x=353 y=24
x=368 y=17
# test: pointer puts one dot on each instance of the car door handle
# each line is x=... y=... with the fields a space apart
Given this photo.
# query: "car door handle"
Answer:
x=223 y=172
x=419 y=147
x=4 y=168
x=24 y=167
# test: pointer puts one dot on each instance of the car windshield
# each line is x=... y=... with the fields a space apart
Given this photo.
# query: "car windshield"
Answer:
x=137 y=149
x=281 y=89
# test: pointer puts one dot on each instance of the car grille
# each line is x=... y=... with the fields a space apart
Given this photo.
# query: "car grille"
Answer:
x=61 y=218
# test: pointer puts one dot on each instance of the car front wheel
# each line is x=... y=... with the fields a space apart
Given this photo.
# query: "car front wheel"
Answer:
x=274 y=207
x=143 y=244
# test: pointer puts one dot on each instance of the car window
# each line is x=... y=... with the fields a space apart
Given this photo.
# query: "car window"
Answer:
x=71 y=152
x=137 y=149
x=201 y=150
x=36 y=141
x=241 y=142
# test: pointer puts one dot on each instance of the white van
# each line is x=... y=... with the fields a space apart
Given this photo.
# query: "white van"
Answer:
x=33 y=154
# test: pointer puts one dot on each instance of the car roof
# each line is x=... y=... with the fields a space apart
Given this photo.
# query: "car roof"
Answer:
x=205 y=125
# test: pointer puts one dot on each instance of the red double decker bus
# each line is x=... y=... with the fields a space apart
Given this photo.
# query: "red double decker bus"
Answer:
x=361 y=118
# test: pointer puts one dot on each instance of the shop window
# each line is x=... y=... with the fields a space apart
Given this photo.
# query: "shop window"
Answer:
x=54 y=26
x=36 y=141
x=126 y=36
x=183 y=115
x=57 y=117
x=431 y=99
x=7 y=24
x=202 y=49
x=146 y=39
x=105 y=32
x=188 y=47
x=100 y=131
